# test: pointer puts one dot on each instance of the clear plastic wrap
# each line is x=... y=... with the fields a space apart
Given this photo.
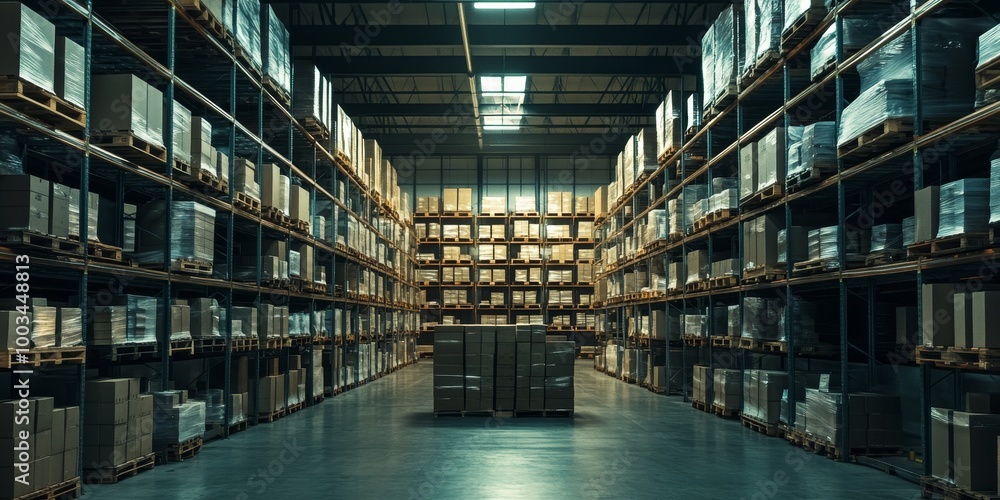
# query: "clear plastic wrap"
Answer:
x=215 y=406
x=803 y=317
x=988 y=47
x=670 y=135
x=887 y=237
x=109 y=325
x=727 y=53
x=909 y=231
x=43 y=326
x=307 y=102
x=817 y=146
x=238 y=408
x=30 y=50
x=248 y=29
x=733 y=323
x=141 y=318
x=964 y=207
x=707 y=68
x=727 y=388
x=883 y=101
x=690 y=196
x=69 y=71
x=179 y=424
x=206 y=316
x=182 y=134
x=762 y=29
x=69 y=331
x=192 y=233
x=294 y=263
x=823 y=415
x=277 y=55
x=703 y=384
x=782 y=246
x=223 y=12
x=760 y=319
x=693 y=112
x=795 y=9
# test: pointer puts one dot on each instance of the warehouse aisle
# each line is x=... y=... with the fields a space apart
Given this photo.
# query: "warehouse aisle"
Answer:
x=381 y=441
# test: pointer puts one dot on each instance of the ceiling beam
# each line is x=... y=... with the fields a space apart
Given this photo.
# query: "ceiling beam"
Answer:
x=530 y=36
x=570 y=109
x=660 y=66
x=551 y=2
x=417 y=146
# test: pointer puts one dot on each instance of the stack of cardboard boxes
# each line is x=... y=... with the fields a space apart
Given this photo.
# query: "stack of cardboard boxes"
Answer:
x=457 y=200
x=704 y=383
x=41 y=451
x=964 y=443
x=728 y=389
x=118 y=423
x=178 y=419
x=762 y=391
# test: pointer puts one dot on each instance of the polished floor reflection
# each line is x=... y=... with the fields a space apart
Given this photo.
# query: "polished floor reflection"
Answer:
x=381 y=441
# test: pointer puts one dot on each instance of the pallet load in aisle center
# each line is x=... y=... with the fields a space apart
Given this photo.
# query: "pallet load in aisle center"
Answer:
x=508 y=370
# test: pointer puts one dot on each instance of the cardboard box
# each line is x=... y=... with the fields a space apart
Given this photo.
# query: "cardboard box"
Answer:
x=464 y=199
x=975 y=448
x=937 y=315
x=771 y=159
x=299 y=204
x=24 y=203
x=450 y=200
x=926 y=212
x=270 y=189
x=748 y=170
x=107 y=391
x=985 y=318
x=982 y=402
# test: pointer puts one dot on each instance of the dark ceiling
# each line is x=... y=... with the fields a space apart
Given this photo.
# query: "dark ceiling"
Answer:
x=399 y=68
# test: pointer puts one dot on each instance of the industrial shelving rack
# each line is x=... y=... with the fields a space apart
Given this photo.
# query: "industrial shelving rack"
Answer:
x=853 y=299
x=474 y=311
x=163 y=44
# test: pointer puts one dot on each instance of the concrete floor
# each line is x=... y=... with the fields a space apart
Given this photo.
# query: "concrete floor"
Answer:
x=381 y=441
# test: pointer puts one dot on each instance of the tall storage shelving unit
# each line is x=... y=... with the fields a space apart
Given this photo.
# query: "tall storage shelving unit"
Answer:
x=853 y=300
x=165 y=45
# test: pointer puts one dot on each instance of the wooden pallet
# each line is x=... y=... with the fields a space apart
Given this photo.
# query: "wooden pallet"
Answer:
x=42 y=356
x=807 y=177
x=180 y=452
x=210 y=345
x=724 y=412
x=759 y=426
x=701 y=405
x=723 y=282
x=763 y=274
x=181 y=347
x=114 y=474
x=771 y=193
x=543 y=413
x=42 y=242
x=300 y=226
x=887 y=256
x=244 y=344
x=200 y=12
x=130 y=147
x=274 y=215
x=727 y=96
x=881 y=137
x=279 y=93
x=125 y=352
x=698 y=286
x=60 y=491
x=949 y=245
x=988 y=75
x=975 y=358
x=725 y=342
x=271 y=417
x=760 y=66
x=749 y=344
x=815 y=266
x=40 y=104
x=101 y=252
x=695 y=341
x=932 y=487
x=801 y=28
x=247 y=203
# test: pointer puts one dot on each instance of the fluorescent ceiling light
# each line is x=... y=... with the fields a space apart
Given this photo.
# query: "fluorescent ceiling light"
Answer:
x=501 y=122
x=504 y=5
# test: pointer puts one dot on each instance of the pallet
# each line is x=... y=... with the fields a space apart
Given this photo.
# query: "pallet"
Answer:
x=101 y=252
x=42 y=356
x=43 y=242
x=300 y=226
x=271 y=417
x=725 y=342
x=180 y=452
x=988 y=75
x=274 y=215
x=974 y=358
x=239 y=426
x=59 y=491
x=525 y=214
x=694 y=341
x=130 y=147
x=763 y=274
x=887 y=256
x=879 y=138
x=128 y=352
x=279 y=93
x=181 y=347
x=760 y=66
x=114 y=474
x=801 y=28
x=949 y=245
x=761 y=427
x=815 y=266
x=807 y=177
x=701 y=406
x=244 y=344
x=726 y=98
x=723 y=282
x=202 y=346
x=247 y=203
x=931 y=487
x=543 y=413
x=200 y=12
x=768 y=194
x=698 y=286
x=40 y=104
x=724 y=412
x=187 y=266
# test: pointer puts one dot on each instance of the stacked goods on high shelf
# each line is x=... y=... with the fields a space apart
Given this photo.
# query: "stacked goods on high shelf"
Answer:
x=762 y=165
x=669 y=127
x=886 y=101
x=722 y=57
x=248 y=32
x=762 y=392
x=987 y=58
x=968 y=438
x=874 y=422
x=51 y=325
x=276 y=54
x=812 y=156
x=192 y=234
x=969 y=324
x=118 y=425
x=481 y=368
x=727 y=391
x=764 y=320
x=858 y=32
x=51 y=439
x=762 y=29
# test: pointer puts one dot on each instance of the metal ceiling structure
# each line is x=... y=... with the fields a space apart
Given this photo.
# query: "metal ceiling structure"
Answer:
x=594 y=68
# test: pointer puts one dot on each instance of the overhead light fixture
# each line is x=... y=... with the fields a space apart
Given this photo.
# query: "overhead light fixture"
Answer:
x=504 y=5
x=502 y=122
